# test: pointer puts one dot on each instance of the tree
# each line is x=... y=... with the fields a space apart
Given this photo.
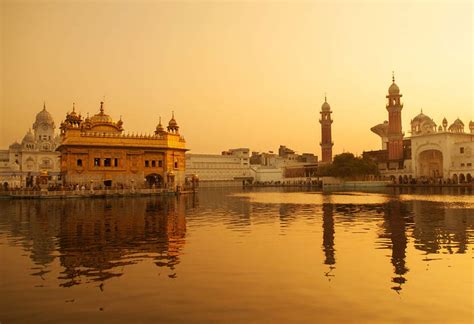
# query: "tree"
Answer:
x=346 y=165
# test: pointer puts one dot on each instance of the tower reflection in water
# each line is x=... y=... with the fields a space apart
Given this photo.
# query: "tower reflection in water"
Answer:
x=396 y=217
x=328 y=238
x=96 y=239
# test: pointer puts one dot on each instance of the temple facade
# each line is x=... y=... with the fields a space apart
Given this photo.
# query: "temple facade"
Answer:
x=96 y=152
x=23 y=163
x=433 y=153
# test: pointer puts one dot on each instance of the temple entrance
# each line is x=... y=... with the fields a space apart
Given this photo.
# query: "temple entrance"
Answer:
x=430 y=164
x=154 y=180
x=455 y=178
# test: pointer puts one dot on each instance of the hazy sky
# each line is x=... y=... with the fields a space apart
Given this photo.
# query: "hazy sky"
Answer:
x=237 y=74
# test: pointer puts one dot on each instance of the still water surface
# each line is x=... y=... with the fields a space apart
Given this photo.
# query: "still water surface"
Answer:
x=244 y=256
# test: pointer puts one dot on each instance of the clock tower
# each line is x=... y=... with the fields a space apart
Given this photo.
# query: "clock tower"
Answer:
x=44 y=130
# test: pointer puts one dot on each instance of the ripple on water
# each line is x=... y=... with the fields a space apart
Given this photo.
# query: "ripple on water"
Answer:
x=287 y=254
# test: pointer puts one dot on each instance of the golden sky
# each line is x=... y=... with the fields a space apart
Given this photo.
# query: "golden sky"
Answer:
x=237 y=74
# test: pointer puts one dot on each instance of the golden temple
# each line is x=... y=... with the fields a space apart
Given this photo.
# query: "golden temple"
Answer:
x=96 y=152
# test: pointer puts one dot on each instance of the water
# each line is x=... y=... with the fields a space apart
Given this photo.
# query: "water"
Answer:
x=243 y=256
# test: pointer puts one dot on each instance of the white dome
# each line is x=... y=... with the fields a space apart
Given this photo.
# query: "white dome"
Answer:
x=29 y=138
x=44 y=117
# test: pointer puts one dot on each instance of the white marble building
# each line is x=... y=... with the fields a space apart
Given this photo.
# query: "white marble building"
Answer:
x=22 y=163
x=438 y=152
x=442 y=152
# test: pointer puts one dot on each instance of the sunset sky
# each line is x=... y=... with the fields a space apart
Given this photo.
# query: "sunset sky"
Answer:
x=241 y=74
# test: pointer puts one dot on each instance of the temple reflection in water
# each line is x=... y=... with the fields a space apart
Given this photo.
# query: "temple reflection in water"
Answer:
x=94 y=240
x=396 y=217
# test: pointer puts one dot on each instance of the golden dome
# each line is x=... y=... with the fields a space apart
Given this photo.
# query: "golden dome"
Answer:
x=172 y=122
x=173 y=125
x=159 y=127
x=101 y=117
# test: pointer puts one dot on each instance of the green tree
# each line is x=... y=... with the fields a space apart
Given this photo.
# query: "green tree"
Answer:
x=346 y=165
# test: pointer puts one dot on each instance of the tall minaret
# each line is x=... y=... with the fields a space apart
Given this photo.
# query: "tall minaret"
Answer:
x=326 y=137
x=395 y=135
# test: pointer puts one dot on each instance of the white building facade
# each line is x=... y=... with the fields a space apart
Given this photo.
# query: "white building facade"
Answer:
x=442 y=152
x=230 y=168
x=22 y=163
x=437 y=153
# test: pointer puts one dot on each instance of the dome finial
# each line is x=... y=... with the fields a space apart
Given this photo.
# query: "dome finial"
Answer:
x=102 y=107
x=325 y=97
x=393 y=76
x=44 y=105
x=73 y=107
x=421 y=110
x=159 y=120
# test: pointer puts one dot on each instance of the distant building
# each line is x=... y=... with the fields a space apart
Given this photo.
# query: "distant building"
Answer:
x=230 y=168
x=432 y=153
x=23 y=162
x=270 y=167
x=285 y=152
x=96 y=151
x=267 y=174
x=326 y=133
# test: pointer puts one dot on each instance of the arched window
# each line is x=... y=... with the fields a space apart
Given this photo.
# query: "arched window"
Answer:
x=79 y=162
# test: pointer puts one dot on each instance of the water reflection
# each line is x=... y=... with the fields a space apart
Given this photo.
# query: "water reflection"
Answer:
x=328 y=238
x=95 y=239
x=440 y=229
x=396 y=221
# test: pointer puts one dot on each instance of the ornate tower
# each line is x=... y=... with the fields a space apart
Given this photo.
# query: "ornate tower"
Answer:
x=395 y=135
x=326 y=137
x=44 y=126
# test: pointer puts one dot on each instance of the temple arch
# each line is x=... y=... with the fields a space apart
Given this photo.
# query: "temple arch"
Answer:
x=154 y=180
x=430 y=163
